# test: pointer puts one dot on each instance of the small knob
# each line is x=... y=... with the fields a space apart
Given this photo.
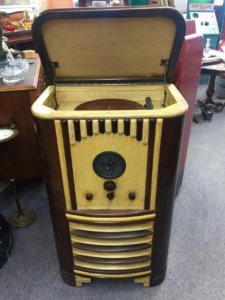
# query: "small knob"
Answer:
x=110 y=196
x=131 y=196
x=89 y=196
x=109 y=185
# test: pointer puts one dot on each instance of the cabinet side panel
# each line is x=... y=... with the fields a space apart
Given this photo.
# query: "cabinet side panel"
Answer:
x=54 y=184
x=167 y=177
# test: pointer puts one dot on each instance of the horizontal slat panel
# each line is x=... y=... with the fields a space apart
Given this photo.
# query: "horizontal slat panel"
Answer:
x=137 y=253
x=115 y=242
x=108 y=228
x=110 y=248
x=111 y=261
x=112 y=275
x=111 y=220
x=110 y=213
x=110 y=266
x=106 y=235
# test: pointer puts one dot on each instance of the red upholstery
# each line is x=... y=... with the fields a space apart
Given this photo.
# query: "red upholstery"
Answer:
x=186 y=80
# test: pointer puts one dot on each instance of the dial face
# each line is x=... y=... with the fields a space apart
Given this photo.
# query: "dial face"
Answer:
x=109 y=165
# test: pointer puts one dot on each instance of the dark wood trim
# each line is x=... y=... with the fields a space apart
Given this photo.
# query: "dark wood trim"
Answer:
x=112 y=272
x=89 y=128
x=110 y=213
x=127 y=127
x=111 y=261
x=139 y=129
x=111 y=248
x=69 y=278
x=54 y=184
x=102 y=126
x=111 y=235
x=66 y=143
x=151 y=142
x=172 y=133
x=114 y=126
x=122 y=12
x=77 y=130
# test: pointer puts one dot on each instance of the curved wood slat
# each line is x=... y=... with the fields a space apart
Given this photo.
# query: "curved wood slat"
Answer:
x=131 y=266
x=89 y=128
x=113 y=242
x=114 y=220
x=110 y=213
x=108 y=272
x=114 y=126
x=111 y=248
x=115 y=228
x=127 y=127
x=110 y=223
x=116 y=255
x=109 y=235
x=112 y=273
x=111 y=261
x=77 y=130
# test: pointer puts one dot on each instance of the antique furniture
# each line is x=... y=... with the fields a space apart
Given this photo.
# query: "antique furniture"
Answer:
x=110 y=128
x=213 y=70
x=15 y=103
x=21 y=218
x=186 y=80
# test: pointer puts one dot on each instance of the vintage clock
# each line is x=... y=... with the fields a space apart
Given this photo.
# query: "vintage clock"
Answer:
x=110 y=128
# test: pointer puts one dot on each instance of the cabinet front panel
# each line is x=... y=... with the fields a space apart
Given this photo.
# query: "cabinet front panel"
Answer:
x=132 y=180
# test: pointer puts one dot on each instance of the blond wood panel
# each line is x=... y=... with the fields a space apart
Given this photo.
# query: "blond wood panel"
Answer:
x=133 y=128
x=133 y=95
x=132 y=180
x=145 y=131
x=71 y=130
x=124 y=219
x=177 y=106
x=110 y=242
x=58 y=130
x=83 y=129
x=95 y=126
x=113 y=276
x=128 y=254
x=111 y=266
x=120 y=126
x=108 y=228
x=143 y=54
x=158 y=135
x=108 y=126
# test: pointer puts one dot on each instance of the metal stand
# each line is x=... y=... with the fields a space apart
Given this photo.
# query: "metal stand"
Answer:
x=23 y=217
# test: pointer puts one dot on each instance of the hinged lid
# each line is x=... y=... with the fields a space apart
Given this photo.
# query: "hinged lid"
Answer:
x=109 y=45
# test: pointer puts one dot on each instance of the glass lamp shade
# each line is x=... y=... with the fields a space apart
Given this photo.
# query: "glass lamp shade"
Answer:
x=7 y=134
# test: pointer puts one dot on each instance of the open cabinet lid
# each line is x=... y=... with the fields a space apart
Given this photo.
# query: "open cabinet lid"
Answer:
x=125 y=44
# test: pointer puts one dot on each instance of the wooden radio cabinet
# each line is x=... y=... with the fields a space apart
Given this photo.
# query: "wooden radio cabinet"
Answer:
x=110 y=128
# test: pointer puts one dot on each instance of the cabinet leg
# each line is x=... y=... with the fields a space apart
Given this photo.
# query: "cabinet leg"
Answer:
x=81 y=280
x=144 y=280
